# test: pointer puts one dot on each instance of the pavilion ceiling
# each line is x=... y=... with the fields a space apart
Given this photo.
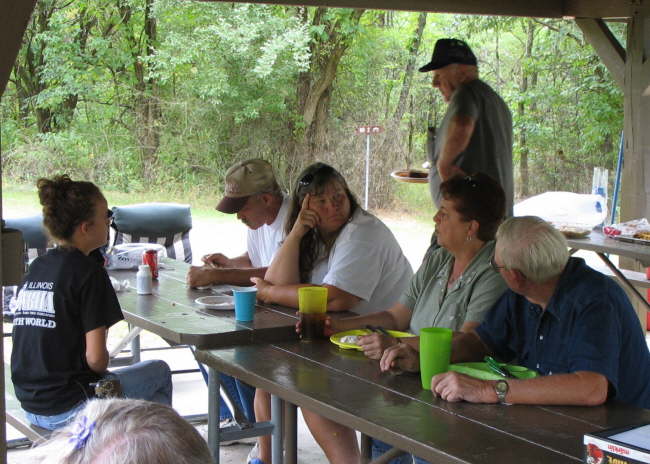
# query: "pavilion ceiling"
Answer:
x=608 y=9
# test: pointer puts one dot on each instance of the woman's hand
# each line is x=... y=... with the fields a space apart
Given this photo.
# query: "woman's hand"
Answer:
x=263 y=289
x=327 y=331
x=373 y=345
x=307 y=219
x=400 y=356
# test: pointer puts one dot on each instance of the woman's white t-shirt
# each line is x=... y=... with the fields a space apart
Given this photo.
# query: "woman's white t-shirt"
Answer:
x=366 y=261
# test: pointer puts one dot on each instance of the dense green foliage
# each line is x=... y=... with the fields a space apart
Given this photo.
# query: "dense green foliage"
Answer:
x=142 y=94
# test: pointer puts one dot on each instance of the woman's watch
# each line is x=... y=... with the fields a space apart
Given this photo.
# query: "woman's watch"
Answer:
x=501 y=388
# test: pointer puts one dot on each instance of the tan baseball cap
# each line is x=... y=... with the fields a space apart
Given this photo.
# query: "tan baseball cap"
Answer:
x=244 y=179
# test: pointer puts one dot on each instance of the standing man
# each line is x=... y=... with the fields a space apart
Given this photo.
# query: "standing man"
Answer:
x=253 y=193
x=476 y=132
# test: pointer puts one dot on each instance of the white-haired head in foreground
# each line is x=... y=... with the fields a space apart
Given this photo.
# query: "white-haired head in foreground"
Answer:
x=124 y=431
x=533 y=247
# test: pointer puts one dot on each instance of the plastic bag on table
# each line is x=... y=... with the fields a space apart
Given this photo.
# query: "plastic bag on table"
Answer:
x=628 y=228
x=129 y=255
x=565 y=210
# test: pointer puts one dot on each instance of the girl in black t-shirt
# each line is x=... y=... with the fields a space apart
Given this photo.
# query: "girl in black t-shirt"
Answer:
x=64 y=309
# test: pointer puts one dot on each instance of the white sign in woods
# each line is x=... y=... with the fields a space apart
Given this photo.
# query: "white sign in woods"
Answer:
x=369 y=130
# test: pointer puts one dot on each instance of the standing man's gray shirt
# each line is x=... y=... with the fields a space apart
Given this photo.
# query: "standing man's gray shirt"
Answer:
x=490 y=146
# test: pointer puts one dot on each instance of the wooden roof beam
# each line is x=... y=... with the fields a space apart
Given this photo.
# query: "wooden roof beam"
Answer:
x=606 y=45
x=13 y=22
x=530 y=8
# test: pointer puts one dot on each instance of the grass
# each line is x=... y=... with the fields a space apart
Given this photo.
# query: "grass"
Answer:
x=22 y=200
x=413 y=202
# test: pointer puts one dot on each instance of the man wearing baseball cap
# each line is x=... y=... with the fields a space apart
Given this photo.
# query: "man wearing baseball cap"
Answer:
x=476 y=132
x=254 y=195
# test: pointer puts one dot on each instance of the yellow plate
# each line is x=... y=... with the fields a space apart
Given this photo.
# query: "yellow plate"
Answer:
x=336 y=338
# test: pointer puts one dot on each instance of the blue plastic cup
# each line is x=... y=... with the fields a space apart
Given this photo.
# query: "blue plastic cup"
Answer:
x=244 y=304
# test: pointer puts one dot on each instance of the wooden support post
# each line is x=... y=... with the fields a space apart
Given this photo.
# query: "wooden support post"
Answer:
x=635 y=190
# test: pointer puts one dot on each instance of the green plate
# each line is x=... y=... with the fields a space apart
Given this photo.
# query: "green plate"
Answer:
x=480 y=370
x=336 y=338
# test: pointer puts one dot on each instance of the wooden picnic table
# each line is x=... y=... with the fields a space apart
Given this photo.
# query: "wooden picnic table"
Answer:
x=348 y=388
x=603 y=246
x=171 y=312
x=599 y=243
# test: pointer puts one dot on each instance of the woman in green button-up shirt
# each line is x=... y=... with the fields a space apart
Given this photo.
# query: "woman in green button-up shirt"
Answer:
x=455 y=286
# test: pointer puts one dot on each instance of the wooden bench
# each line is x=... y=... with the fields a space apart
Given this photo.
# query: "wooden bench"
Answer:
x=15 y=416
x=638 y=279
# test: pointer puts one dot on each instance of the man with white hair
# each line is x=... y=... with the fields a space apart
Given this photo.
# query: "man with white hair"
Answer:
x=570 y=323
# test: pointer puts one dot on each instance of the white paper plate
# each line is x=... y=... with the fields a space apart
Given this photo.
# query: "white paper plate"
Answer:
x=216 y=302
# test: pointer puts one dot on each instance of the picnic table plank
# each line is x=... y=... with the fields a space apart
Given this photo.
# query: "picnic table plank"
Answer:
x=395 y=409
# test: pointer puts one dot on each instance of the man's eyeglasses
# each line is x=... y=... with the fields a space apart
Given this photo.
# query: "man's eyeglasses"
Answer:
x=495 y=267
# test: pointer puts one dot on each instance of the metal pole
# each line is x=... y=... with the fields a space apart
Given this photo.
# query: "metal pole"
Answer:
x=367 y=169
x=213 y=413
x=277 y=451
x=617 y=182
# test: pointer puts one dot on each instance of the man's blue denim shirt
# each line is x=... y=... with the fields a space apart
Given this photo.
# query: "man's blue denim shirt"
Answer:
x=589 y=325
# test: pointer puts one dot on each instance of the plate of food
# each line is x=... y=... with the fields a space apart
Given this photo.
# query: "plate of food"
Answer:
x=349 y=340
x=414 y=176
x=573 y=231
x=219 y=302
x=643 y=235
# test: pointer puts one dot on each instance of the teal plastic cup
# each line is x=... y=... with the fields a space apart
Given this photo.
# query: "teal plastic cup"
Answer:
x=244 y=304
x=435 y=351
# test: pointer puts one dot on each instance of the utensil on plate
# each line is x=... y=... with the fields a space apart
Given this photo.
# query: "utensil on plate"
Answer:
x=496 y=368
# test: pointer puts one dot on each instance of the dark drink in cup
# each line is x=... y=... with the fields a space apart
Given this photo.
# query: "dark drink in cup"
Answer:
x=312 y=304
x=150 y=257
x=312 y=326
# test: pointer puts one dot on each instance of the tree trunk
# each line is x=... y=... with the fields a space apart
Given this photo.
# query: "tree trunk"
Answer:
x=314 y=87
x=29 y=66
x=394 y=123
x=146 y=103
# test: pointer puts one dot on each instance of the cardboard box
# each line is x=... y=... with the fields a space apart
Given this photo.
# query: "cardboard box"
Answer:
x=627 y=445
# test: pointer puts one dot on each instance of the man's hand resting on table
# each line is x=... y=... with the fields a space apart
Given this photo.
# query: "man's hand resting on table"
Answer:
x=453 y=387
x=199 y=276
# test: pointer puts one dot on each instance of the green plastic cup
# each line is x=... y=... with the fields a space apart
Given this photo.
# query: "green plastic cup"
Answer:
x=435 y=351
x=312 y=305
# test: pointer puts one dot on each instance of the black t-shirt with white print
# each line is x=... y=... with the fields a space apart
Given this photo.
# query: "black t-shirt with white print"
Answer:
x=64 y=295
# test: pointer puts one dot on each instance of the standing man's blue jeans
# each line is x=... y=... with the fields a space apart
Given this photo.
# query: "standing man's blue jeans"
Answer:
x=146 y=380
x=379 y=448
x=241 y=393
